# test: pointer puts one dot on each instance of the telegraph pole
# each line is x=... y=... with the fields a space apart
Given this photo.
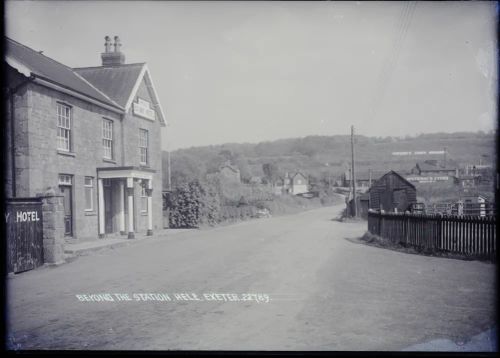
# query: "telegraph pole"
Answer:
x=353 y=177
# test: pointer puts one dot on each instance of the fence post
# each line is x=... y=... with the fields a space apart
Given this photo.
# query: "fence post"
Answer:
x=53 y=227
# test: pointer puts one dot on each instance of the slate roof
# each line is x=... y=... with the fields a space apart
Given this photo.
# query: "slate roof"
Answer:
x=428 y=167
x=50 y=70
x=116 y=81
x=298 y=173
x=234 y=169
x=388 y=173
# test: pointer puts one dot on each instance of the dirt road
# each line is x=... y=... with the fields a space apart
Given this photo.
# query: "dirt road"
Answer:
x=327 y=293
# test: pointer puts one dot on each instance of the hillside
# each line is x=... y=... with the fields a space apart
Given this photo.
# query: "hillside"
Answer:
x=323 y=157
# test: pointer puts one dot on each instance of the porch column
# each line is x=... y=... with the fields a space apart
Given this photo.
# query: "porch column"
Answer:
x=100 y=208
x=149 y=192
x=121 y=214
x=130 y=192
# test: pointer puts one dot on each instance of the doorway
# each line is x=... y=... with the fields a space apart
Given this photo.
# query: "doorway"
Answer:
x=108 y=206
x=67 y=194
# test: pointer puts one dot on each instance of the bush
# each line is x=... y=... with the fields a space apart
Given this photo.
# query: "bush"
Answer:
x=186 y=206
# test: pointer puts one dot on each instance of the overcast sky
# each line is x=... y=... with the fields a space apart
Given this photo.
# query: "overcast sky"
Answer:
x=254 y=71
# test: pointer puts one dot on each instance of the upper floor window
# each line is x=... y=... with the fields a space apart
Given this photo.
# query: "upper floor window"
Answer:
x=143 y=146
x=63 y=127
x=107 y=138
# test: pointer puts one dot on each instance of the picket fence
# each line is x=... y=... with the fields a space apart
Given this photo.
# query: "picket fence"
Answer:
x=473 y=236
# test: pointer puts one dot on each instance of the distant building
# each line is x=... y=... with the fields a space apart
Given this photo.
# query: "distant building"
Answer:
x=433 y=168
x=392 y=193
x=362 y=205
x=467 y=181
x=299 y=184
x=230 y=173
x=291 y=184
x=255 y=180
x=474 y=204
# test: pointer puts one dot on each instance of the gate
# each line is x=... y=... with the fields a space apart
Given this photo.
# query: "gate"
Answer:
x=24 y=234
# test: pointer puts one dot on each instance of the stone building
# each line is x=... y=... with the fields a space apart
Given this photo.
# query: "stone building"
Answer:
x=92 y=134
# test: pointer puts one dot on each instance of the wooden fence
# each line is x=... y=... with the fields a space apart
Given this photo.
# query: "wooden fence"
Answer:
x=473 y=236
x=24 y=234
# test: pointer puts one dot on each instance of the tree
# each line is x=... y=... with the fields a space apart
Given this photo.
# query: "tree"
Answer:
x=271 y=172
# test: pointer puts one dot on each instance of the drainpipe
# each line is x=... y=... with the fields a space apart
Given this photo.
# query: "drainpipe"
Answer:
x=11 y=93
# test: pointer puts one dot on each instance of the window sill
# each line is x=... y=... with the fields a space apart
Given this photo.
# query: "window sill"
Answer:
x=144 y=213
x=90 y=213
x=109 y=161
x=68 y=154
x=145 y=166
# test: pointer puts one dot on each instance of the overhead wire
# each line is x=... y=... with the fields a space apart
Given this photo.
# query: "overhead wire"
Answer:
x=389 y=65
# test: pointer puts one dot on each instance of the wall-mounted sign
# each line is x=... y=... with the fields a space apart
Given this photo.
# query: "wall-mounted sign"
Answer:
x=143 y=109
x=427 y=179
x=419 y=152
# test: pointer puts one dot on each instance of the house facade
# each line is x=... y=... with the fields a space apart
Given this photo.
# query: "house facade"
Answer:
x=291 y=184
x=299 y=184
x=91 y=134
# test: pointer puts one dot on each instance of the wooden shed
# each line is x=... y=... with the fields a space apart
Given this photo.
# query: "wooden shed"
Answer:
x=392 y=193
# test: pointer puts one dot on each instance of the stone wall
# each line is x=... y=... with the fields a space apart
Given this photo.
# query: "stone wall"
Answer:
x=53 y=227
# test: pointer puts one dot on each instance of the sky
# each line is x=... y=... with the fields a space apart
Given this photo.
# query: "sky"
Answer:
x=233 y=72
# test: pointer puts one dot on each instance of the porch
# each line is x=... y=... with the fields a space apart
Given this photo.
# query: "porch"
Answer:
x=124 y=199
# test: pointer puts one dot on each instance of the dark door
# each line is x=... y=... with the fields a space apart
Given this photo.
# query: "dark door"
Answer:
x=108 y=214
x=68 y=209
x=400 y=200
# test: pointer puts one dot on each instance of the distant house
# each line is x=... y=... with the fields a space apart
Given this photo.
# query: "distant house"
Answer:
x=255 y=180
x=291 y=184
x=230 y=173
x=299 y=184
x=433 y=167
x=392 y=193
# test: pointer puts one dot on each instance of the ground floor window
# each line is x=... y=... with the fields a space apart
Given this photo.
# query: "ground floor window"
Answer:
x=89 y=193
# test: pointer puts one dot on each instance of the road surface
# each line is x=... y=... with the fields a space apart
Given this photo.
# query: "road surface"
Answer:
x=326 y=293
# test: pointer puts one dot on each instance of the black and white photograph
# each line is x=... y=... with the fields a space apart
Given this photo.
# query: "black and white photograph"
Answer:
x=263 y=176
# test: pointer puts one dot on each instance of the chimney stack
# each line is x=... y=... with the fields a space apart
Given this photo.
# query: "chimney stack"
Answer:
x=112 y=58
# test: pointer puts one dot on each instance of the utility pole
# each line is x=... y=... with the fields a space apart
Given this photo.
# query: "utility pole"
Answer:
x=353 y=177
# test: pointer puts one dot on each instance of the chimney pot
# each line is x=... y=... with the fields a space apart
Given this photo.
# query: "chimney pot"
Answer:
x=112 y=58
x=117 y=44
x=107 y=44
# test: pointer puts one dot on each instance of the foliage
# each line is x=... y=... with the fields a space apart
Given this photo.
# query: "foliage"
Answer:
x=211 y=199
x=186 y=206
x=271 y=172
x=327 y=157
